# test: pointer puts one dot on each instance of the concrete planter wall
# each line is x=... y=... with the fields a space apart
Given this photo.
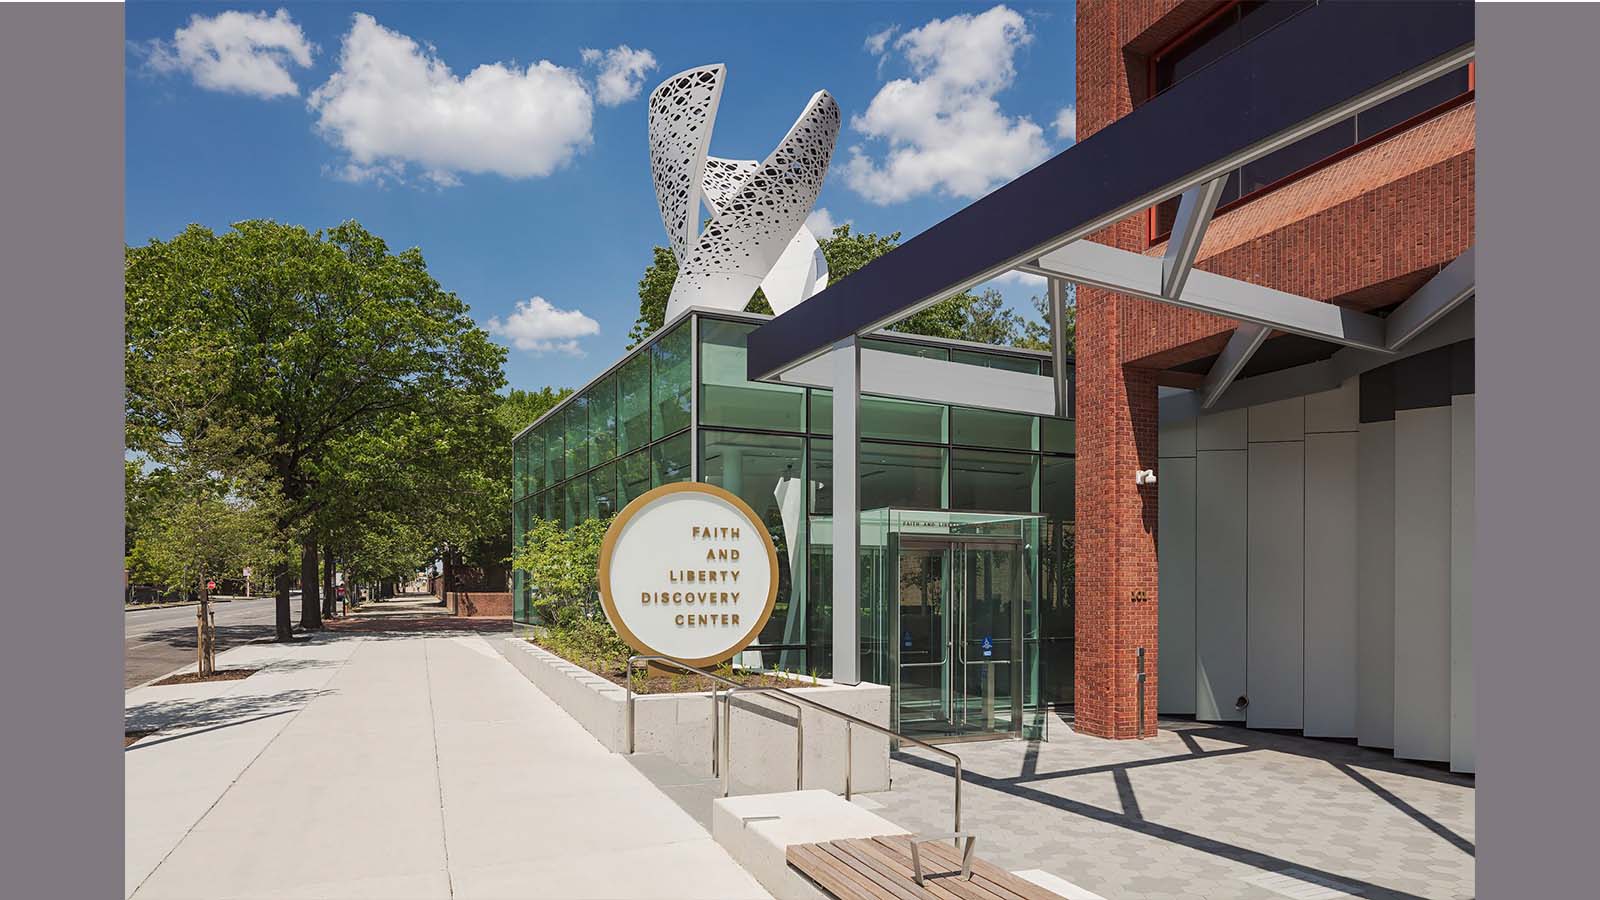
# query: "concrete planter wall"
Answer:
x=678 y=726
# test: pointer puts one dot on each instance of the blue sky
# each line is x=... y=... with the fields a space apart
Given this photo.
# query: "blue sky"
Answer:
x=486 y=136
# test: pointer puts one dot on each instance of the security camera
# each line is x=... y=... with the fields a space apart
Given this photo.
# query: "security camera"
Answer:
x=1144 y=476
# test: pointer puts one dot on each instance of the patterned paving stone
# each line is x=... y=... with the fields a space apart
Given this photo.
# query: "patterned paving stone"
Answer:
x=1199 y=810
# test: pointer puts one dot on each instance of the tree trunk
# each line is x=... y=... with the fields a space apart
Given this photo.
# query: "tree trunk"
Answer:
x=205 y=647
x=310 y=599
x=283 y=582
x=329 y=599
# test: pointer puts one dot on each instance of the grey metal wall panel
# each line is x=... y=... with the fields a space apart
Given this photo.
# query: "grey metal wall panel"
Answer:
x=1275 y=563
x=1463 y=529
x=1330 y=582
x=1422 y=441
x=1335 y=410
x=1281 y=420
x=1222 y=431
x=1375 y=584
x=1221 y=483
x=1177 y=439
x=1176 y=540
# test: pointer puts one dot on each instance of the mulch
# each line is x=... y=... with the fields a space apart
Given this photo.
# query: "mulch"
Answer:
x=196 y=677
x=128 y=737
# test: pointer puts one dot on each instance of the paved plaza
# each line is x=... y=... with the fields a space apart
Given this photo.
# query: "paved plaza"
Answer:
x=1202 y=811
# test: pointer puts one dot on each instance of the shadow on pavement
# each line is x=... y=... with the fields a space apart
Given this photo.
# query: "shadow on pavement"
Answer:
x=160 y=715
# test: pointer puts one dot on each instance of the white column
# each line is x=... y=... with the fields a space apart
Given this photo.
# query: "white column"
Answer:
x=1463 y=519
x=846 y=512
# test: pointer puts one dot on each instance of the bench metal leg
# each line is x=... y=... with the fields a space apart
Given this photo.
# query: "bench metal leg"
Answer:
x=966 y=852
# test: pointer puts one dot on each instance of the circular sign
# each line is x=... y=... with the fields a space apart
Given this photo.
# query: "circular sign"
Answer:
x=689 y=572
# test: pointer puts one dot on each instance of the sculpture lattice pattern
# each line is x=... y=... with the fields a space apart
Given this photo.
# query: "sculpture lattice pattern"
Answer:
x=756 y=236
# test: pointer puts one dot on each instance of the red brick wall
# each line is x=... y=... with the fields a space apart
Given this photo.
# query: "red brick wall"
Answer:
x=480 y=604
x=1364 y=232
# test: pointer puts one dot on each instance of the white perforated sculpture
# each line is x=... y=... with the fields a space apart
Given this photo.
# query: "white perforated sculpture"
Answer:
x=756 y=236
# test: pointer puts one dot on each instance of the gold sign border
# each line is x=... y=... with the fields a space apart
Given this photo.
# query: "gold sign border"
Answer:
x=632 y=509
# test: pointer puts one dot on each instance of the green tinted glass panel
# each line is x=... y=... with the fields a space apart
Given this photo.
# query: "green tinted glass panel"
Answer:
x=899 y=475
x=1024 y=364
x=533 y=442
x=577 y=436
x=1057 y=498
x=728 y=398
x=821 y=411
x=992 y=481
x=902 y=420
x=603 y=421
x=922 y=350
x=988 y=428
x=634 y=475
x=603 y=491
x=670 y=460
x=670 y=378
x=556 y=511
x=633 y=403
x=767 y=472
x=577 y=502
x=555 y=456
x=519 y=468
x=1060 y=435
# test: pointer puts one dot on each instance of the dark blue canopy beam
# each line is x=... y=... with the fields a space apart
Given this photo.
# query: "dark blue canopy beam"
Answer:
x=1315 y=69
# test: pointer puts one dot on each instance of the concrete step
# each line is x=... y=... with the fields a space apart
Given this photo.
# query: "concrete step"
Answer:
x=694 y=790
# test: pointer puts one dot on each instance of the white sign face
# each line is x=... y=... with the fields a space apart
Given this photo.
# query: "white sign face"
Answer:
x=687 y=571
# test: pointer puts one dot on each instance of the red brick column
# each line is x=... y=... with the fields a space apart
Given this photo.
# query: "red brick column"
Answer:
x=1116 y=528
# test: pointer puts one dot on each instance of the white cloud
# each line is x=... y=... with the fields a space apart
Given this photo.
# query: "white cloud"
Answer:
x=540 y=327
x=822 y=223
x=878 y=41
x=622 y=71
x=1066 y=123
x=1019 y=279
x=943 y=128
x=236 y=52
x=394 y=104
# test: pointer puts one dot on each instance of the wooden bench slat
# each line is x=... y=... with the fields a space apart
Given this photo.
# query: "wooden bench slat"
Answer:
x=880 y=874
x=881 y=868
x=832 y=878
x=992 y=874
x=949 y=883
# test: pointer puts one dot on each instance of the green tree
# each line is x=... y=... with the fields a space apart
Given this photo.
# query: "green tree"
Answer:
x=1036 y=332
x=328 y=335
x=209 y=508
x=518 y=408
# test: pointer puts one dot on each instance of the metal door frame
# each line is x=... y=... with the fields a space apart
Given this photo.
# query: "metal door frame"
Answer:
x=955 y=546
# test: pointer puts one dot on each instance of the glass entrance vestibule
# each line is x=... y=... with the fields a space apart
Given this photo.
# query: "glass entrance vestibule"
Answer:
x=950 y=619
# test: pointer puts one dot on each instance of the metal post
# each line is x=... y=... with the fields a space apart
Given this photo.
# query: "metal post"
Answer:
x=1058 y=346
x=627 y=684
x=799 y=749
x=714 y=722
x=727 y=720
x=988 y=695
x=1140 y=653
x=849 y=760
x=846 y=511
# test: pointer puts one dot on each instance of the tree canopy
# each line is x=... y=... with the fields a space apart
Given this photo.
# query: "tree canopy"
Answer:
x=981 y=317
x=370 y=387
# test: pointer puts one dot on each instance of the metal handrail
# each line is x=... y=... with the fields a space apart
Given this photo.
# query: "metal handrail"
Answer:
x=734 y=686
x=727 y=737
x=850 y=720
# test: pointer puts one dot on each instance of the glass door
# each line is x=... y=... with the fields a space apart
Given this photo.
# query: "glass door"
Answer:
x=923 y=615
x=960 y=648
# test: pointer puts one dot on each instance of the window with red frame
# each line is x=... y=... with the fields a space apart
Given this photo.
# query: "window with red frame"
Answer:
x=1238 y=23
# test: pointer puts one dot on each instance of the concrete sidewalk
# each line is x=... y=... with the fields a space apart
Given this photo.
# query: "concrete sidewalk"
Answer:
x=394 y=764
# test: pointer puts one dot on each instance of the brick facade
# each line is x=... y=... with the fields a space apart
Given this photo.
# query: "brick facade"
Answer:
x=1363 y=232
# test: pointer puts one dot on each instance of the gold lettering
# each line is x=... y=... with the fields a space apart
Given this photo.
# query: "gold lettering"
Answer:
x=645 y=597
x=735 y=618
x=680 y=619
x=734 y=551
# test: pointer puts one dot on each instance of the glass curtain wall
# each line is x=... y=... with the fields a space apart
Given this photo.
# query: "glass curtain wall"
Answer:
x=623 y=434
x=771 y=445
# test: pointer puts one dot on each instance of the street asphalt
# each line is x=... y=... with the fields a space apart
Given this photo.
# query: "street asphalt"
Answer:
x=156 y=641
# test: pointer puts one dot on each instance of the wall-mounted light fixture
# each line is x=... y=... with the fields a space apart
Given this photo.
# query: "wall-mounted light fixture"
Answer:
x=1144 y=476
